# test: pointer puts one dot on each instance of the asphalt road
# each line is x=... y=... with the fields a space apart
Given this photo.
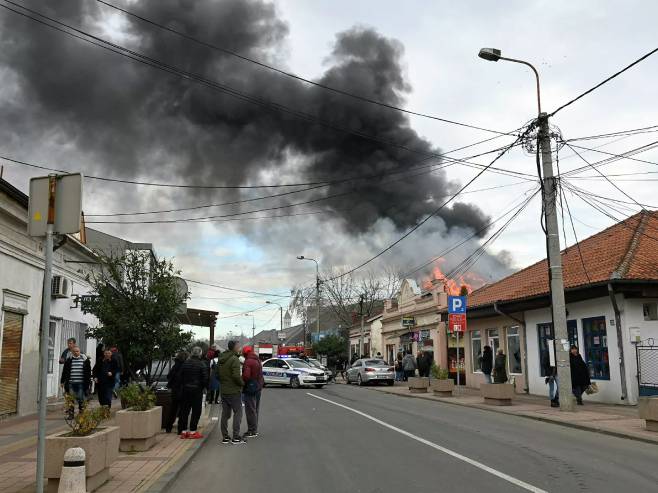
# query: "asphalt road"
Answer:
x=356 y=440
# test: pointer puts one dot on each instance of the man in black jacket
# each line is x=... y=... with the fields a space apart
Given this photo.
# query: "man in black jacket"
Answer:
x=194 y=379
x=105 y=372
x=76 y=377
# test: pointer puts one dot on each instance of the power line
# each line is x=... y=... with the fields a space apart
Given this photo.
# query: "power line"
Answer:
x=573 y=228
x=620 y=133
x=292 y=75
x=616 y=74
x=614 y=157
x=219 y=286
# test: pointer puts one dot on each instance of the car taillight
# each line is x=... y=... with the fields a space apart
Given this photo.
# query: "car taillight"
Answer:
x=391 y=368
x=370 y=369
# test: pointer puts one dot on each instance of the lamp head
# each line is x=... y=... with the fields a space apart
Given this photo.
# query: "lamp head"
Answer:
x=490 y=54
x=300 y=257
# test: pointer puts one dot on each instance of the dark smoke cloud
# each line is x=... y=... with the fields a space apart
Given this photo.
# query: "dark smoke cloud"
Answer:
x=132 y=120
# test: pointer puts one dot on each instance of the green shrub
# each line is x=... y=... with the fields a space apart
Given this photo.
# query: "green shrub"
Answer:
x=87 y=420
x=440 y=373
x=137 y=398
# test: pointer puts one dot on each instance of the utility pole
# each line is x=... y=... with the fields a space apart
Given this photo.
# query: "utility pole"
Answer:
x=317 y=298
x=362 y=326
x=550 y=188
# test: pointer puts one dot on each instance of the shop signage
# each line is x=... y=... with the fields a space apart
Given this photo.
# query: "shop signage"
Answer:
x=408 y=321
x=457 y=322
x=424 y=335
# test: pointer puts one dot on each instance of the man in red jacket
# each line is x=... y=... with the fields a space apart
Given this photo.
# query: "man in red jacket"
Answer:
x=252 y=375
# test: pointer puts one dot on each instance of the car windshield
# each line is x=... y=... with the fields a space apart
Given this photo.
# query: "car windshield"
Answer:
x=315 y=363
x=376 y=362
x=297 y=363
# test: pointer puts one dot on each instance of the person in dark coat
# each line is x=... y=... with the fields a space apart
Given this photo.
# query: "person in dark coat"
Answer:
x=104 y=373
x=174 y=384
x=486 y=363
x=500 y=368
x=194 y=379
x=580 y=379
x=551 y=378
x=252 y=374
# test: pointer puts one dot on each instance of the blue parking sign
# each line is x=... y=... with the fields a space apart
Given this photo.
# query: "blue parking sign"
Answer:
x=456 y=304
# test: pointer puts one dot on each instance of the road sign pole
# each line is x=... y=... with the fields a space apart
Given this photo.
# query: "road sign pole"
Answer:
x=457 y=365
x=43 y=345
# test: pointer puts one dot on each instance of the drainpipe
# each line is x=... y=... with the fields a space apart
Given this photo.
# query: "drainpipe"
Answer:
x=620 y=341
x=526 y=381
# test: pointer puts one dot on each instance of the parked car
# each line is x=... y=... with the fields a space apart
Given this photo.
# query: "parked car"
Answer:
x=292 y=372
x=316 y=364
x=365 y=371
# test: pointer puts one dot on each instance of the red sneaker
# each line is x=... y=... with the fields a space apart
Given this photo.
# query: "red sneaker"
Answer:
x=195 y=435
x=185 y=434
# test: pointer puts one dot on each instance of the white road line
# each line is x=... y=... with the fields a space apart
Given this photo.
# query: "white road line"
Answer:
x=452 y=453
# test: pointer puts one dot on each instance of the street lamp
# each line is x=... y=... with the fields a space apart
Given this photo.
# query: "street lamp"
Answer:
x=280 y=310
x=549 y=195
x=317 y=291
x=253 y=327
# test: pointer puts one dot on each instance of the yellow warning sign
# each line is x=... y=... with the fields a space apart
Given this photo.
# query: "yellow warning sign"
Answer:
x=37 y=216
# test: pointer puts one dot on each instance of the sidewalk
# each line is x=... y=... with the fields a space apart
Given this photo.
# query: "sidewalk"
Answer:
x=615 y=420
x=132 y=472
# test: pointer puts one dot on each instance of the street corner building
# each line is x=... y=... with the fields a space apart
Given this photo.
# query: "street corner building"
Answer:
x=611 y=289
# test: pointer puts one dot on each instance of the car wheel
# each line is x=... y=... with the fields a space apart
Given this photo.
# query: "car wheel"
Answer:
x=319 y=386
x=359 y=380
x=294 y=383
x=390 y=383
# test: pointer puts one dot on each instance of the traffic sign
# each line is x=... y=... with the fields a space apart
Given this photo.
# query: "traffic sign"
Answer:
x=457 y=322
x=67 y=204
x=456 y=304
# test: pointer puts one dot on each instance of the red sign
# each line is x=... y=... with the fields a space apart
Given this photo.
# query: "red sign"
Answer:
x=457 y=322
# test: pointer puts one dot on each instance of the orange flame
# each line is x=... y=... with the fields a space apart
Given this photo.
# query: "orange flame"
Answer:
x=470 y=280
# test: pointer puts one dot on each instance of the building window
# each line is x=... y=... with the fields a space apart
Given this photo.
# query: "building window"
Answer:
x=596 y=347
x=544 y=334
x=476 y=350
x=514 y=350
x=494 y=340
x=650 y=311
x=52 y=330
x=572 y=330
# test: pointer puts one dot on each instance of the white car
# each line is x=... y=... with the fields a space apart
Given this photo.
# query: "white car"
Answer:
x=292 y=372
x=316 y=363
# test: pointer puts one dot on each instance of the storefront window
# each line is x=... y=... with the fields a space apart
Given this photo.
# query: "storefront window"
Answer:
x=476 y=349
x=52 y=330
x=513 y=350
x=494 y=340
x=596 y=347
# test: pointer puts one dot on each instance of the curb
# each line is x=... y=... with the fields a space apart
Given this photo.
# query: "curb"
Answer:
x=534 y=418
x=164 y=482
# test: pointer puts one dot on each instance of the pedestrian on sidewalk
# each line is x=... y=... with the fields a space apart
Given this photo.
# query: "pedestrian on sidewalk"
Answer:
x=423 y=364
x=175 y=385
x=399 y=368
x=194 y=379
x=230 y=388
x=408 y=365
x=486 y=363
x=213 y=386
x=500 y=367
x=76 y=377
x=580 y=378
x=550 y=371
x=68 y=352
x=252 y=375
x=104 y=373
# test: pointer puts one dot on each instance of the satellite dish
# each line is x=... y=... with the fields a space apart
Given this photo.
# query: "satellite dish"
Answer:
x=183 y=290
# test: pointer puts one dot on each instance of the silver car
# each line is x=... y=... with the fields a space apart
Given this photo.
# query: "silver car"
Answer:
x=365 y=371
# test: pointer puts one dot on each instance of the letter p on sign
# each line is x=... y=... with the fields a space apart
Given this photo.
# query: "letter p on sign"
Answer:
x=456 y=304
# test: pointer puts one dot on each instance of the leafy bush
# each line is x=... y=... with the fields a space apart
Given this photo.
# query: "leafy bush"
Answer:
x=87 y=420
x=137 y=398
x=440 y=373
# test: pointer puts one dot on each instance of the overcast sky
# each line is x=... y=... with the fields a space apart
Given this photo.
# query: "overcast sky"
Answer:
x=433 y=69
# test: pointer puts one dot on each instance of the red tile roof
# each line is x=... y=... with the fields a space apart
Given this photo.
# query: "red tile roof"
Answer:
x=626 y=250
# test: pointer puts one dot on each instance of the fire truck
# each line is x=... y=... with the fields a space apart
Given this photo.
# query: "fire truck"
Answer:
x=267 y=351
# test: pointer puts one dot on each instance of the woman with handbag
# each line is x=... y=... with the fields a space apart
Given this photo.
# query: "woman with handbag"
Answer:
x=580 y=379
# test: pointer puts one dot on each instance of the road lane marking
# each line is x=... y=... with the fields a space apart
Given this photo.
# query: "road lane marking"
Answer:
x=452 y=453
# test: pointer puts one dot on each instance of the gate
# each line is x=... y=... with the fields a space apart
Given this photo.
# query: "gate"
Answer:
x=647 y=370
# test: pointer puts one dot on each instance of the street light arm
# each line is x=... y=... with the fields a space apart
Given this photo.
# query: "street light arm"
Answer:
x=522 y=62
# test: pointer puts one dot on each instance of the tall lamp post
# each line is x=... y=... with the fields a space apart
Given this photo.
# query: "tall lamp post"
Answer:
x=280 y=312
x=317 y=291
x=549 y=195
x=253 y=327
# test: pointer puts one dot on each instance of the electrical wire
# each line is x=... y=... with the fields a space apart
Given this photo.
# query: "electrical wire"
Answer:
x=219 y=286
x=292 y=75
x=605 y=81
x=624 y=133
x=614 y=157
x=563 y=200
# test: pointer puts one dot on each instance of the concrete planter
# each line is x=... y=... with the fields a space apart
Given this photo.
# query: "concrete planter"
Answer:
x=139 y=428
x=443 y=388
x=419 y=385
x=101 y=450
x=497 y=394
x=648 y=408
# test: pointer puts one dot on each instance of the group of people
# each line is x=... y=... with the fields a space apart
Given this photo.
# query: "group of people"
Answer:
x=234 y=376
x=580 y=378
x=494 y=370
x=406 y=365
x=78 y=375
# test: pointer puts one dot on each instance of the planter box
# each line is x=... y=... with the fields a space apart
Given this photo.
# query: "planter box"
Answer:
x=138 y=428
x=497 y=394
x=443 y=388
x=419 y=385
x=648 y=408
x=101 y=450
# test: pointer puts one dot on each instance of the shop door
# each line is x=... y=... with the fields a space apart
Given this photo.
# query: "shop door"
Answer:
x=10 y=362
x=54 y=367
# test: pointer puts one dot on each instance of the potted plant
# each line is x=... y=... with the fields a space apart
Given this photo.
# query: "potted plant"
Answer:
x=442 y=385
x=101 y=445
x=140 y=421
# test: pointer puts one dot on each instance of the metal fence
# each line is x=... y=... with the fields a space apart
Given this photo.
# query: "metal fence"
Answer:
x=647 y=369
x=76 y=330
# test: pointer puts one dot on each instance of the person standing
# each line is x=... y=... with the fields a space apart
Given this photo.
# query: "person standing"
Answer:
x=194 y=379
x=252 y=375
x=550 y=372
x=230 y=388
x=408 y=365
x=76 y=377
x=67 y=353
x=213 y=387
x=174 y=383
x=399 y=368
x=486 y=363
x=423 y=364
x=104 y=373
x=500 y=368
x=580 y=378
x=118 y=357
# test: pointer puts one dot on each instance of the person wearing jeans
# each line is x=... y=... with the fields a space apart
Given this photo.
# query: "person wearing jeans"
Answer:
x=194 y=379
x=252 y=375
x=76 y=377
x=104 y=374
x=230 y=387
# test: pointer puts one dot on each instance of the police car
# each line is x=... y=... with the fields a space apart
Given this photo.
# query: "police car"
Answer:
x=292 y=372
